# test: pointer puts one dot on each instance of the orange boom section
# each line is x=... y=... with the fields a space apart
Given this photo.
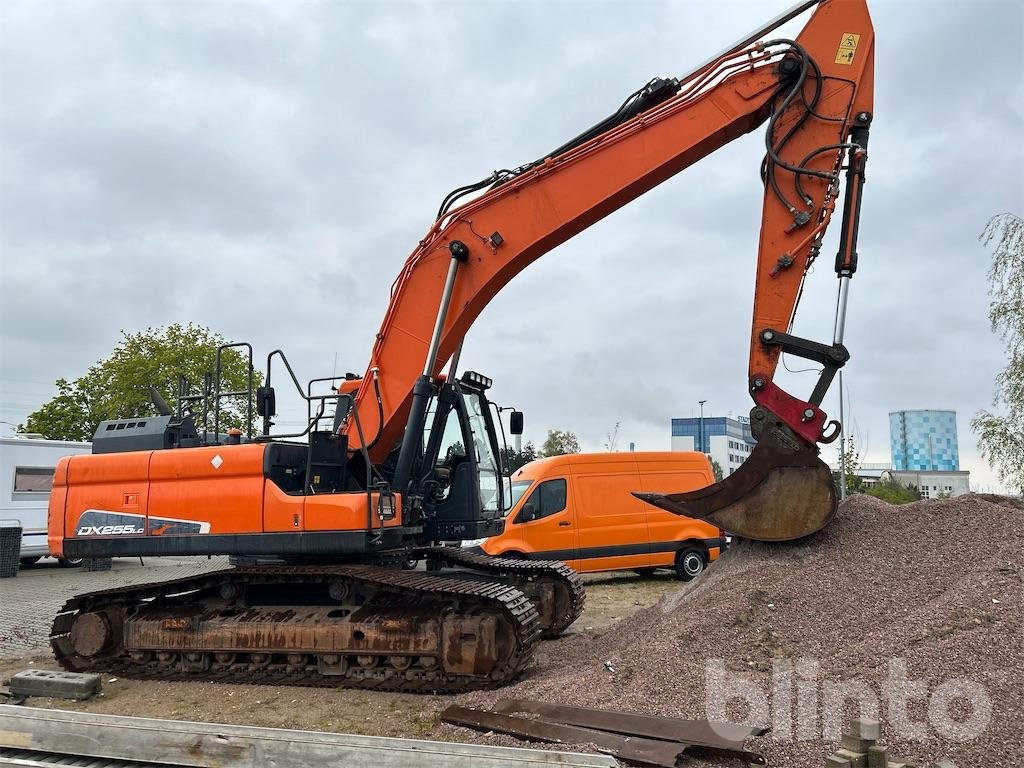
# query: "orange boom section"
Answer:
x=521 y=219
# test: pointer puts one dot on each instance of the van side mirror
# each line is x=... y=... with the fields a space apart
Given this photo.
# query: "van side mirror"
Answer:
x=515 y=422
x=266 y=402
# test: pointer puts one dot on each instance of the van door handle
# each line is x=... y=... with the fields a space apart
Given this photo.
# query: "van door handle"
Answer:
x=565 y=522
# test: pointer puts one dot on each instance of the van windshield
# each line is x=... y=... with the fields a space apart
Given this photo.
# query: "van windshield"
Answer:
x=519 y=487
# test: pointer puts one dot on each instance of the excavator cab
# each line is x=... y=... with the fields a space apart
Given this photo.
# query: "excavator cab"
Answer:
x=459 y=482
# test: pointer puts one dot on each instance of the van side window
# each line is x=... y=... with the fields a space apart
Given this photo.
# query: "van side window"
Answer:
x=546 y=499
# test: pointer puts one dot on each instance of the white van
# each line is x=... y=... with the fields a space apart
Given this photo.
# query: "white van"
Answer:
x=26 y=476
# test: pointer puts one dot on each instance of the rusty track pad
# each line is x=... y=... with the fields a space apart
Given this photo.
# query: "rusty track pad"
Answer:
x=783 y=491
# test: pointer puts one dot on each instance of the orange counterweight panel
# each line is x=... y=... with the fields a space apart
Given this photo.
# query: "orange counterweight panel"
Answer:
x=219 y=488
x=347 y=512
x=57 y=508
x=115 y=483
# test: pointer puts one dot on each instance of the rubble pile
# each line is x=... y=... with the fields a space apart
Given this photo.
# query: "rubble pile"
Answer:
x=915 y=611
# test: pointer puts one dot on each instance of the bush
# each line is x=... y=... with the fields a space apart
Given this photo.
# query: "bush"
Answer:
x=894 y=492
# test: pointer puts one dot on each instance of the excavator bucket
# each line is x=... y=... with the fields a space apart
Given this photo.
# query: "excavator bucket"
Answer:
x=783 y=491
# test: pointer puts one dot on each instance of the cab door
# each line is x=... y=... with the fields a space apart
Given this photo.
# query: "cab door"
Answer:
x=547 y=522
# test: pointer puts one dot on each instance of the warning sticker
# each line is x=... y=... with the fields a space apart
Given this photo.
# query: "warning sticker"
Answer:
x=847 y=48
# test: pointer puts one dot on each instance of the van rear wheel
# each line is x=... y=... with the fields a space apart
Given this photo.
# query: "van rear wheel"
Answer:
x=690 y=563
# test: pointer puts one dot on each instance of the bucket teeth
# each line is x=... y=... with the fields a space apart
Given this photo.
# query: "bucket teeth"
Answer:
x=783 y=491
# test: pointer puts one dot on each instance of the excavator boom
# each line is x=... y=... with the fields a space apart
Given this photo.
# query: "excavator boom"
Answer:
x=815 y=93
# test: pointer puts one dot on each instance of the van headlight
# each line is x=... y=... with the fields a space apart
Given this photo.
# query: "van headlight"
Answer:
x=472 y=542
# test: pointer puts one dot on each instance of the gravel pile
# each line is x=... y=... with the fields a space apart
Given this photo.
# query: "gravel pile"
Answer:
x=919 y=603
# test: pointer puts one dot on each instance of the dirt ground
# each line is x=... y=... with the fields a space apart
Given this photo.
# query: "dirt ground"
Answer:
x=611 y=597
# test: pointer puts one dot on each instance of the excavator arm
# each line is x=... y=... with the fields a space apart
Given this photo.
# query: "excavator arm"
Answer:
x=815 y=94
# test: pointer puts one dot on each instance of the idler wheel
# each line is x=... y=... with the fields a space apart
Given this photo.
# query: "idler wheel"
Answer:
x=90 y=634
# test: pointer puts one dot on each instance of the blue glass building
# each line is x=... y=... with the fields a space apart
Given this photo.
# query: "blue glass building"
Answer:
x=924 y=441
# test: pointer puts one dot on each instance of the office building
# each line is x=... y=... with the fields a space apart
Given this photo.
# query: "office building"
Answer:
x=727 y=440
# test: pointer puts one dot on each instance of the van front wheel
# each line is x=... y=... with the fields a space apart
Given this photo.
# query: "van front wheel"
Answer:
x=690 y=563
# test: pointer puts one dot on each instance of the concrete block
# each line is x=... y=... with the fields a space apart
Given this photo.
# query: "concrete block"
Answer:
x=854 y=743
x=878 y=757
x=58 y=684
x=834 y=761
x=857 y=759
x=864 y=728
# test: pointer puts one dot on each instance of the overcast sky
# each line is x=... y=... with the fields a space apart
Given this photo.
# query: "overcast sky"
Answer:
x=265 y=169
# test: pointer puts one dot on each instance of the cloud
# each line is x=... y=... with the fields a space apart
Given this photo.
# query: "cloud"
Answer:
x=266 y=168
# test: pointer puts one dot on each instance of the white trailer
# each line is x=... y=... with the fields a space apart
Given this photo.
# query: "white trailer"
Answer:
x=26 y=476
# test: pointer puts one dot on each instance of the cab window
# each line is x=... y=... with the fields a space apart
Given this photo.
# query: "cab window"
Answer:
x=547 y=499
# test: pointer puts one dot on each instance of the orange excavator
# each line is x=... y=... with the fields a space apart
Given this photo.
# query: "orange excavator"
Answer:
x=411 y=458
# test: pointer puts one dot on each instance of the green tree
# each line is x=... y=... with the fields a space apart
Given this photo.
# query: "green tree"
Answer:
x=894 y=492
x=717 y=469
x=1001 y=434
x=513 y=459
x=559 y=443
x=117 y=387
x=851 y=456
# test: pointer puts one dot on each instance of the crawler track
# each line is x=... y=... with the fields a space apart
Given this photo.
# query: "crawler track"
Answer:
x=358 y=626
x=559 y=606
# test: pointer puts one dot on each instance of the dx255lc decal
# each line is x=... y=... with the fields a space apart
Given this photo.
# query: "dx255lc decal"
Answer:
x=102 y=522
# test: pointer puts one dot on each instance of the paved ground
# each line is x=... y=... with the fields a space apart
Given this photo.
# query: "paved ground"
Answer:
x=29 y=601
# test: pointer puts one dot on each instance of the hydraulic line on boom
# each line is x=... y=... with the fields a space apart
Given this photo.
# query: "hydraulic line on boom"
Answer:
x=815 y=94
